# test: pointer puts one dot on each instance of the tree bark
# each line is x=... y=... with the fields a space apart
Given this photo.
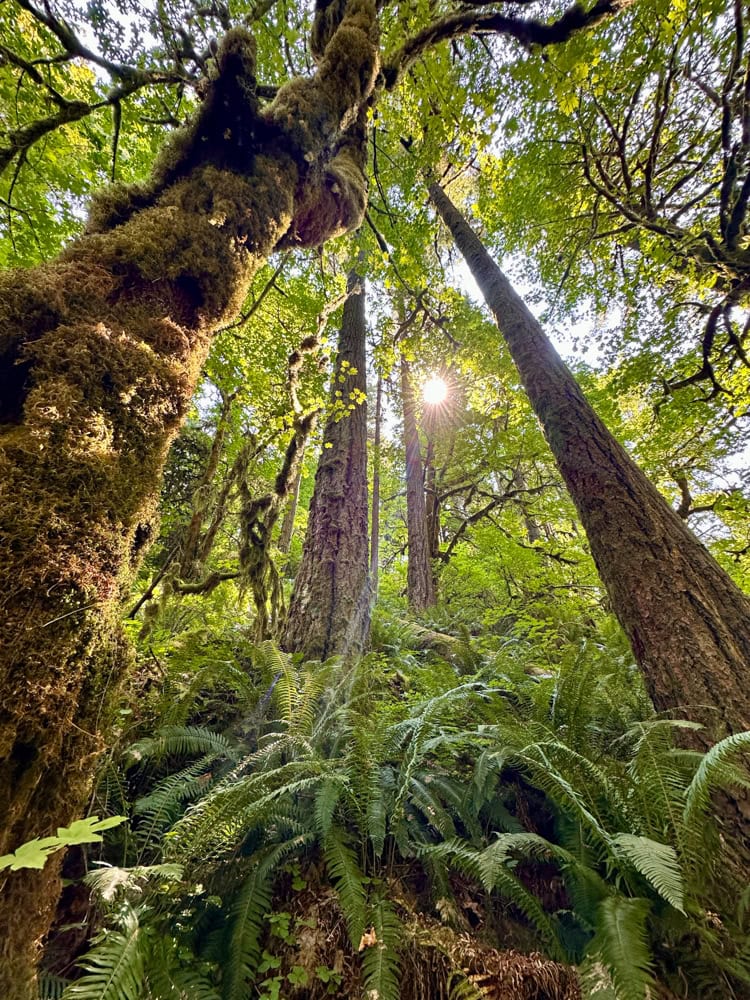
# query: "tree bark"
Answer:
x=100 y=351
x=330 y=608
x=533 y=531
x=375 y=519
x=287 y=524
x=687 y=622
x=420 y=589
x=432 y=500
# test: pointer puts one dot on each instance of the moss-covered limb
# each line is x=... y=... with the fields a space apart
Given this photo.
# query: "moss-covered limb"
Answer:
x=258 y=519
x=189 y=562
x=323 y=121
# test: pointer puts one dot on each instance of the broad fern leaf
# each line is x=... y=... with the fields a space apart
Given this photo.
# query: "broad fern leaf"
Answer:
x=115 y=966
x=380 y=962
x=342 y=866
x=246 y=927
x=621 y=944
x=656 y=862
x=715 y=771
x=51 y=987
x=183 y=741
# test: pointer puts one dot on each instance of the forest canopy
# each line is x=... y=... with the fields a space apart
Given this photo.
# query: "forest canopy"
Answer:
x=374 y=499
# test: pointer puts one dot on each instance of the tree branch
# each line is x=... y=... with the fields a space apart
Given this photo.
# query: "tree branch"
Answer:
x=527 y=31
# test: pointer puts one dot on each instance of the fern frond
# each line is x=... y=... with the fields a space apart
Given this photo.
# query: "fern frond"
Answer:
x=460 y=987
x=656 y=862
x=377 y=818
x=621 y=944
x=715 y=772
x=158 y=810
x=658 y=776
x=168 y=978
x=51 y=987
x=246 y=925
x=215 y=824
x=115 y=966
x=313 y=682
x=423 y=798
x=326 y=800
x=495 y=875
x=341 y=863
x=380 y=960
x=182 y=741
x=107 y=882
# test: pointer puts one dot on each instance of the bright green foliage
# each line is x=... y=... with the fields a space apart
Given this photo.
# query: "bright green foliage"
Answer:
x=34 y=854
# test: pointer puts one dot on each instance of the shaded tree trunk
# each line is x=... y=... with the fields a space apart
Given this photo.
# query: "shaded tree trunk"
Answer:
x=533 y=531
x=432 y=501
x=375 y=519
x=688 y=623
x=420 y=588
x=100 y=351
x=290 y=514
x=330 y=608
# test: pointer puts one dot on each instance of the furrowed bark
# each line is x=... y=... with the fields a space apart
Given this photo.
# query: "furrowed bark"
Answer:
x=330 y=607
x=375 y=519
x=420 y=589
x=687 y=621
x=100 y=351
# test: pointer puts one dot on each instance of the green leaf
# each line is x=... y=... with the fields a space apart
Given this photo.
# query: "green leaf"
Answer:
x=656 y=862
x=621 y=943
x=34 y=853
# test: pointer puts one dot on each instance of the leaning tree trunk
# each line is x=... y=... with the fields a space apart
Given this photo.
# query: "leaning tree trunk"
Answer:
x=420 y=587
x=688 y=623
x=330 y=607
x=100 y=351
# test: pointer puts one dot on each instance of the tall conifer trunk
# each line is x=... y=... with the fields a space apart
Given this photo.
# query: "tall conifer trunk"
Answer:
x=688 y=623
x=375 y=519
x=330 y=607
x=100 y=351
x=420 y=588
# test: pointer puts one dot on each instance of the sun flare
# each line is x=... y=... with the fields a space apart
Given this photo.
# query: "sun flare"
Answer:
x=434 y=391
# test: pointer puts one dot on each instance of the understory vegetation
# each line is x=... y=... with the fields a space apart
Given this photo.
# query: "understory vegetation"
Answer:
x=381 y=828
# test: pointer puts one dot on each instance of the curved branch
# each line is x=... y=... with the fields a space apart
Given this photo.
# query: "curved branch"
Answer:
x=527 y=31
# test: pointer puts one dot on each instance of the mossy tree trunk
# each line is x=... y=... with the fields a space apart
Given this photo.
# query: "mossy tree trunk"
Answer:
x=420 y=586
x=688 y=623
x=100 y=351
x=330 y=607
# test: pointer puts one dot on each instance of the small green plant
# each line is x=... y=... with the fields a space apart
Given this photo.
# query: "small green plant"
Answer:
x=34 y=853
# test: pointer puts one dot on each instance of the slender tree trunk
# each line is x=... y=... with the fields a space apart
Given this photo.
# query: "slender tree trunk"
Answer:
x=191 y=566
x=420 y=589
x=688 y=623
x=533 y=531
x=375 y=519
x=432 y=503
x=330 y=607
x=100 y=351
x=287 y=525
